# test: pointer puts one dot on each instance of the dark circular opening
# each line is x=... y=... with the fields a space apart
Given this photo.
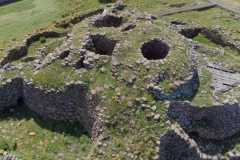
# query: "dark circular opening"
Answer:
x=155 y=49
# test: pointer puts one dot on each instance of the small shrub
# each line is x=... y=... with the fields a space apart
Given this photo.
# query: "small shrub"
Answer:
x=3 y=144
x=42 y=39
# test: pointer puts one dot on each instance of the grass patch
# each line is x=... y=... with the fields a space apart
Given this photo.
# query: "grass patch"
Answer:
x=51 y=43
x=53 y=76
x=202 y=39
x=51 y=137
x=204 y=93
x=212 y=17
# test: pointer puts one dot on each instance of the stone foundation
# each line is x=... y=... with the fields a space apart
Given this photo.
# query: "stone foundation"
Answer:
x=71 y=104
x=183 y=90
x=176 y=144
x=215 y=122
x=22 y=50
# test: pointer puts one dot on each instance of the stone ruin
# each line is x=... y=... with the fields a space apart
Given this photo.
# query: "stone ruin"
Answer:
x=154 y=49
x=215 y=35
x=100 y=44
x=108 y=21
x=175 y=143
x=210 y=123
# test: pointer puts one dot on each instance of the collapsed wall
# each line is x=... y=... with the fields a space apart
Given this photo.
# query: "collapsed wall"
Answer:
x=71 y=104
x=22 y=50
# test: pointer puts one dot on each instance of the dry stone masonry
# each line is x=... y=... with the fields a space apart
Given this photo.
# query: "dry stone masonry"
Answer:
x=76 y=102
x=184 y=89
x=216 y=122
x=71 y=104
x=22 y=50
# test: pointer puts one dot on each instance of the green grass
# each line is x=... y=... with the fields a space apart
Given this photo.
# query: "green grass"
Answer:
x=22 y=17
x=128 y=128
x=212 y=17
x=52 y=76
x=156 y=6
x=204 y=93
x=51 y=43
x=202 y=39
x=51 y=137
x=166 y=84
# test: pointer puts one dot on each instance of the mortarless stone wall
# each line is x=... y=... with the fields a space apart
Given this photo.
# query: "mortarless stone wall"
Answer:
x=216 y=122
x=71 y=104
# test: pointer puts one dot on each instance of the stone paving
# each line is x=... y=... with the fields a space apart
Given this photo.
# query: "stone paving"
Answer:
x=223 y=79
x=184 y=9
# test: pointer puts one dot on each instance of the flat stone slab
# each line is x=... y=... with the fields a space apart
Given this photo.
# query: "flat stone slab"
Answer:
x=223 y=79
